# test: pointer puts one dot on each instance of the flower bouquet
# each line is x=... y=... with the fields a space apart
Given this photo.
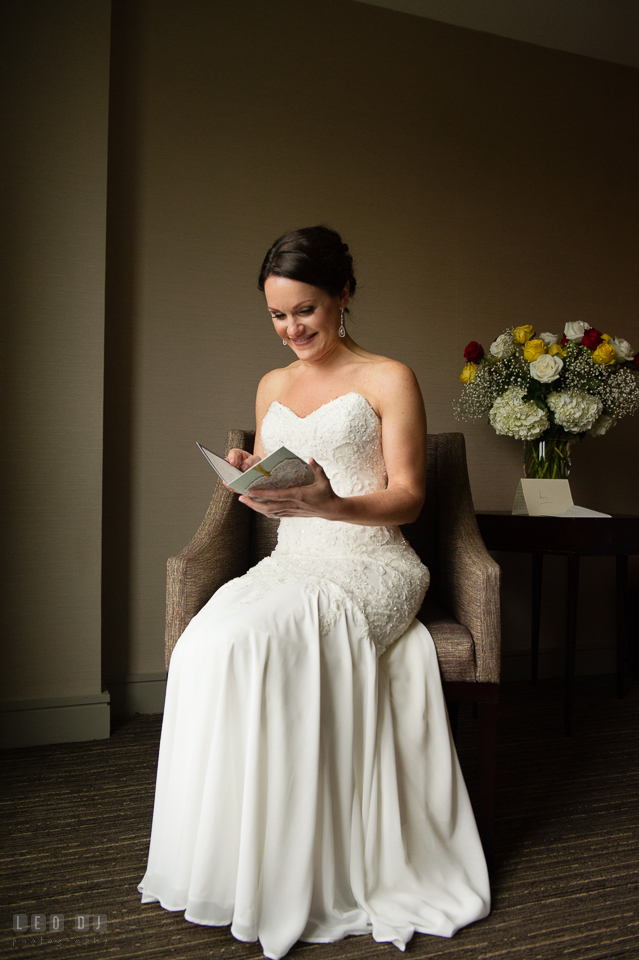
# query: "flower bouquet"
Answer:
x=547 y=391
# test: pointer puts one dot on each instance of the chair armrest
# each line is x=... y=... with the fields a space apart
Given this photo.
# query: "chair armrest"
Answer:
x=469 y=577
x=218 y=552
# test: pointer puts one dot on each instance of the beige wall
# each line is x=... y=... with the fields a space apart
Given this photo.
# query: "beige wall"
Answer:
x=56 y=65
x=481 y=182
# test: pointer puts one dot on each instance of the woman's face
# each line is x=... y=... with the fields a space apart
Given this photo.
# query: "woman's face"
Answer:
x=306 y=317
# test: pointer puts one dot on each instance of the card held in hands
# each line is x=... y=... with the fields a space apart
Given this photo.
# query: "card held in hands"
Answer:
x=278 y=471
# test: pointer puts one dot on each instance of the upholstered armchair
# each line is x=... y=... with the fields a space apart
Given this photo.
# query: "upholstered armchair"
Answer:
x=461 y=609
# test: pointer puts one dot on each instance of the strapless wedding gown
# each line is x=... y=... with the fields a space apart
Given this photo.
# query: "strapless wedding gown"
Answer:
x=308 y=786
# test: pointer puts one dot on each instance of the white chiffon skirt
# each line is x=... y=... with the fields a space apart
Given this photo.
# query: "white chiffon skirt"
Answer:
x=307 y=788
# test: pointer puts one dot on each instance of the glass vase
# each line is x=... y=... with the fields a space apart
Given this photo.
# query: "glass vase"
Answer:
x=547 y=458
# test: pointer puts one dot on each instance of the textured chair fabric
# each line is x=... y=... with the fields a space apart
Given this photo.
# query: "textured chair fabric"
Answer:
x=453 y=642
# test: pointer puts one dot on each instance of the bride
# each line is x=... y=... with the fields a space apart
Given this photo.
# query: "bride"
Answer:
x=308 y=787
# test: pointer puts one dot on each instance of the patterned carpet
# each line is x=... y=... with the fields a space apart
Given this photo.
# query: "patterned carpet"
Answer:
x=76 y=820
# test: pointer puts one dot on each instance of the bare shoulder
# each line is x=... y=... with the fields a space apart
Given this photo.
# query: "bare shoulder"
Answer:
x=272 y=384
x=391 y=382
x=392 y=371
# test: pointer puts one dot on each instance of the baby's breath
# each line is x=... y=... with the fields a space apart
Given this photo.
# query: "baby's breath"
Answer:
x=492 y=379
x=615 y=386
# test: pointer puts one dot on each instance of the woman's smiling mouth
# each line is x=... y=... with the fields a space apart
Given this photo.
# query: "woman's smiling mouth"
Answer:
x=305 y=340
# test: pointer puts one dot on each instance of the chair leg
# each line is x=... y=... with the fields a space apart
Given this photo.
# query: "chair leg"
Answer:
x=488 y=757
x=453 y=714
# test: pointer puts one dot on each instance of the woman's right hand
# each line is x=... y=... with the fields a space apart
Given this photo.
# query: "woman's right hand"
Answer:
x=242 y=459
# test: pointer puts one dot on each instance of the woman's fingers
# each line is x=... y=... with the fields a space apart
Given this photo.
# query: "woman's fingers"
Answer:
x=235 y=456
x=269 y=507
x=241 y=459
x=312 y=500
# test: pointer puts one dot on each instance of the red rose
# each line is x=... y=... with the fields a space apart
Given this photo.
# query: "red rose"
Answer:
x=473 y=352
x=564 y=341
x=591 y=339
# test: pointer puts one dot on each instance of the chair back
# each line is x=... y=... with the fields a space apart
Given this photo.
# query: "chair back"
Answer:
x=423 y=534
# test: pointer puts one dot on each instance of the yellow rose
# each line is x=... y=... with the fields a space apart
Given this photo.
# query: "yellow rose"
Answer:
x=604 y=354
x=606 y=337
x=521 y=334
x=468 y=373
x=556 y=350
x=533 y=349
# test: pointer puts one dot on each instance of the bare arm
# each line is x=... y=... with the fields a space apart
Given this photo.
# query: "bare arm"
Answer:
x=396 y=395
x=401 y=408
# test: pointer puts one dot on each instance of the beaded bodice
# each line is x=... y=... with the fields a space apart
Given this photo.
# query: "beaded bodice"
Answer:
x=345 y=437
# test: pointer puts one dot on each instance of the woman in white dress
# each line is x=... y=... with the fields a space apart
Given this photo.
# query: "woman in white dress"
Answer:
x=308 y=786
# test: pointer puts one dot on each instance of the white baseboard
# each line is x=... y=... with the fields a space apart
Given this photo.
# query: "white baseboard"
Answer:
x=515 y=665
x=30 y=723
x=137 y=693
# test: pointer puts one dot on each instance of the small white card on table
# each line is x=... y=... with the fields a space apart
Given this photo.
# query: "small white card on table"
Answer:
x=542 y=498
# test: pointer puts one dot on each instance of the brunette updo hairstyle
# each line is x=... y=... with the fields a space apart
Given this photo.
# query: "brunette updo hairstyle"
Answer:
x=313 y=255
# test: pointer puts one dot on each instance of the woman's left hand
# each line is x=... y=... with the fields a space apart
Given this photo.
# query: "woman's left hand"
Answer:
x=317 y=499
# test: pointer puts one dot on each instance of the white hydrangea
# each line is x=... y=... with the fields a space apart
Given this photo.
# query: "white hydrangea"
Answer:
x=575 y=410
x=602 y=425
x=512 y=416
x=503 y=346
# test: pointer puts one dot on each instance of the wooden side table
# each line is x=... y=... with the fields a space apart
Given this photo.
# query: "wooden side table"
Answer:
x=572 y=537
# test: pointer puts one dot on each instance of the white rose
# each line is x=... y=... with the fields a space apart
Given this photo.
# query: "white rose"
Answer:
x=504 y=346
x=602 y=425
x=549 y=339
x=623 y=350
x=546 y=368
x=575 y=331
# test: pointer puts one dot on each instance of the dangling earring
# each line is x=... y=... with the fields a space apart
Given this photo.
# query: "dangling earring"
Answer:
x=285 y=343
x=342 y=328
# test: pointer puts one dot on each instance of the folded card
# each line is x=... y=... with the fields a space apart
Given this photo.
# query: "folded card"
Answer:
x=542 y=498
x=278 y=471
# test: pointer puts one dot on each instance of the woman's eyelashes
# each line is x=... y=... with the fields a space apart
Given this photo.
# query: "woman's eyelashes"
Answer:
x=304 y=312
